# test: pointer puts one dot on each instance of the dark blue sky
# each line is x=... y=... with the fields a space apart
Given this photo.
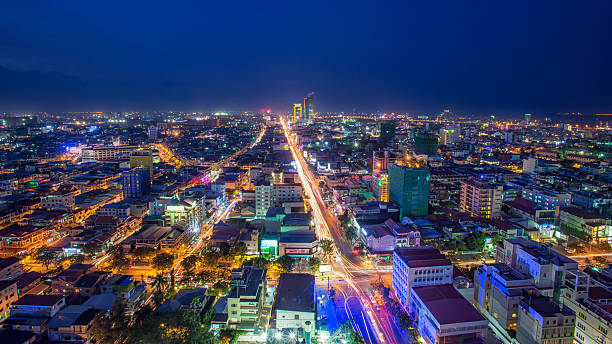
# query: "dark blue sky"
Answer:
x=503 y=57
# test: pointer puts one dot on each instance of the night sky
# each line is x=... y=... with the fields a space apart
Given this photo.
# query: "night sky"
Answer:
x=502 y=57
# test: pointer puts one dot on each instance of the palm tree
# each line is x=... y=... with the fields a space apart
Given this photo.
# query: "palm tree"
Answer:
x=327 y=248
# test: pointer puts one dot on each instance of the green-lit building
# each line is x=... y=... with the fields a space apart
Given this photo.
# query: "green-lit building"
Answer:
x=409 y=187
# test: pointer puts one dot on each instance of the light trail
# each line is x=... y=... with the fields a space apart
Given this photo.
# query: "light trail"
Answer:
x=342 y=262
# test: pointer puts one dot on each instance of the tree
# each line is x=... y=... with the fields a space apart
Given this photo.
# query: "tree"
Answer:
x=404 y=321
x=587 y=261
x=110 y=328
x=190 y=263
x=327 y=248
x=163 y=261
x=314 y=263
x=77 y=258
x=259 y=262
x=180 y=327
x=47 y=258
x=119 y=261
x=240 y=249
x=143 y=252
x=219 y=289
x=600 y=260
x=475 y=241
x=91 y=249
x=284 y=263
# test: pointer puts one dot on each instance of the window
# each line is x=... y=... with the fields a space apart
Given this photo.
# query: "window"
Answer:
x=297 y=317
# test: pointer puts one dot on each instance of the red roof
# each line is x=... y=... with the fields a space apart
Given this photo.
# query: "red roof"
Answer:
x=447 y=305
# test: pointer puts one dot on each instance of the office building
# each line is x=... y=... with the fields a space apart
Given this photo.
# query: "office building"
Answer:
x=294 y=304
x=409 y=187
x=541 y=321
x=246 y=297
x=136 y=183
x=418 y=266
x=308 y=110
x=596 y=226
x=444 y=316
x=480 y=198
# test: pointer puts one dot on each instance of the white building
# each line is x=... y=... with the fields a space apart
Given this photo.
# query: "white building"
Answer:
x=106 y=153
x=294 y=304
x=547 y=267
x=443 y=315
x=418 y=266
x=275 y=195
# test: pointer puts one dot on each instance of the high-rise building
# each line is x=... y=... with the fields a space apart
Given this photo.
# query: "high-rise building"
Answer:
x=152 y=132
x=425 y=142
x=387 y=131
x=481 y=198
x=409 y=187
x=297 y=112
x=136 y=183
x=143 y=159
x=308 y=109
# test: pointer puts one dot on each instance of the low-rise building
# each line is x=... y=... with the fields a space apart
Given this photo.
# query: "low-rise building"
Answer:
x=443 y=315
x=294 y=304
x=8 y=295
x=418 y=266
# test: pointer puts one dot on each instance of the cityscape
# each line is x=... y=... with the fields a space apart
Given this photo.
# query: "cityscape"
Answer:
x=303 y=217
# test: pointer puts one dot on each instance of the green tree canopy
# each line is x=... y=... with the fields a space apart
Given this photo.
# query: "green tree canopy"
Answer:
x=163 y=261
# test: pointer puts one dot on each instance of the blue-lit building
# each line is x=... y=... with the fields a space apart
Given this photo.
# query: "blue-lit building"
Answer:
x=546 y=198
x=409 y=187
x=136 y=183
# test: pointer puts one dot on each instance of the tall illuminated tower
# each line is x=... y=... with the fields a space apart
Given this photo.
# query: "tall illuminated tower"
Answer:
x=309 y=106
x=297 y=112
x=409 y=187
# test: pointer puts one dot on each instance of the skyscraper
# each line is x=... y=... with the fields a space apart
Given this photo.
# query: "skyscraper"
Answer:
x=308 y=109
x=297 y=112
x=387 y=131
x=409 y=187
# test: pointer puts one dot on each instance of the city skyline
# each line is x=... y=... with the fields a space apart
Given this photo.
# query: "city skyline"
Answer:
x=478 y=60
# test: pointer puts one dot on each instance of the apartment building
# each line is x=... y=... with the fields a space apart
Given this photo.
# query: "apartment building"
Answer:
x=245 y=298
x=8 y=295
x=481 y=198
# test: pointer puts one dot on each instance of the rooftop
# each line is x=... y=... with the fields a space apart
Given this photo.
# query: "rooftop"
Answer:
x=295 y=292
x=440 y=299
